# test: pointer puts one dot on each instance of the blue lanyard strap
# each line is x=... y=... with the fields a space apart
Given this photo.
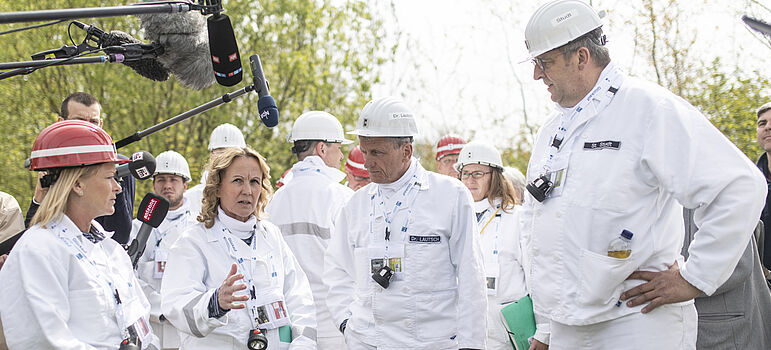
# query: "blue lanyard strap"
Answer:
x=404 y=192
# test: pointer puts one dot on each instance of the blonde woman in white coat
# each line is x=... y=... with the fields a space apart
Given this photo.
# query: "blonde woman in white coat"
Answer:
x=232 y=274
x=495 y=204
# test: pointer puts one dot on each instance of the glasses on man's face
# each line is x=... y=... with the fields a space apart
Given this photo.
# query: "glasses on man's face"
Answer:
x=474 y=174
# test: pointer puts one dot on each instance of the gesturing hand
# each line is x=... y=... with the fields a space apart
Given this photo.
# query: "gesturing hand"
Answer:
x=537 y=345
x=664 y=287
x=226 y=296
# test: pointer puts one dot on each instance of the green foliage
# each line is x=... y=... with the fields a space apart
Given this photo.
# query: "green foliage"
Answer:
x=321 y=55
x=730 y=102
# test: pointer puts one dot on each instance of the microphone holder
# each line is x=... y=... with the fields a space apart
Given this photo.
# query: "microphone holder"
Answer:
x=176 y=119
x=110 y=11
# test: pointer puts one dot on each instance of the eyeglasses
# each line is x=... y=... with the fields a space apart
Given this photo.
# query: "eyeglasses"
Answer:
x=474 y=174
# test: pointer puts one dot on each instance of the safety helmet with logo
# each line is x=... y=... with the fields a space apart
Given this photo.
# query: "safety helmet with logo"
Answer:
x=317 y=126
x=479 y=153
x=449 y=144
x=355 y=163
x=559 y=22
x=173 y=163
x=386 y=117
x=226 y=135
x=72 y=143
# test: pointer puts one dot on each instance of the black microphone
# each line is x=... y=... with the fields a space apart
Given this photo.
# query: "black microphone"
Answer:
x=141 y=166
x=225 y=59
x=266 y=105
x=151 y=213
x=148 y=67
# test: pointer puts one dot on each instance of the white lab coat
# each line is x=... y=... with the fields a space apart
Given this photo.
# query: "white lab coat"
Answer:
x=50 y=299
x=158 y=245
x=304 y=211
x=507 y=268
x=441 y=302
x=668 y=155
x=199 y=262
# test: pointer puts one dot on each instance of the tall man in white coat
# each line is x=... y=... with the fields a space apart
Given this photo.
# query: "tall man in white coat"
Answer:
x=624 y=155
x=304 y=209
x=403 y=266
x=172 y=174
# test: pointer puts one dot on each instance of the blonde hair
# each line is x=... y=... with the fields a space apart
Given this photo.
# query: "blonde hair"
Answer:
x=55 y=202
x=501 y=188
x=216 y=167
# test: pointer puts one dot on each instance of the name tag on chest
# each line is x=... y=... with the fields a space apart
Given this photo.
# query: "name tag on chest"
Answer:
x=425 y=239
x=600 y=145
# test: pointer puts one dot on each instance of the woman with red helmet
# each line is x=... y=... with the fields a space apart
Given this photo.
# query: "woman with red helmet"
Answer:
x=64 y=284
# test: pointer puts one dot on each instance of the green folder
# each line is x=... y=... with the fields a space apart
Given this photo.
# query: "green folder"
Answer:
x=519 y=320
x=285 y=334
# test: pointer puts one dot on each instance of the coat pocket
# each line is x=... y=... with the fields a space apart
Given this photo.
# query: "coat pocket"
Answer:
x=602 y=278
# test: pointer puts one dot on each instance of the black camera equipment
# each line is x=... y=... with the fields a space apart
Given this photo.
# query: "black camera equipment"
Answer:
x=383 y=276
x=257 y=340
x=540 y=187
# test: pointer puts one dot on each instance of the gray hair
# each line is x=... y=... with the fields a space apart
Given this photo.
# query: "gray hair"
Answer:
x=764 y=108
x=593 y=41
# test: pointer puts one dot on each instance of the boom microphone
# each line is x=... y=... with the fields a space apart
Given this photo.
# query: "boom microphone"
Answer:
x=266 y=104
x=147 y=67
x=141 y=166
x=185 y=44
x=151 y=213
x=225 y=59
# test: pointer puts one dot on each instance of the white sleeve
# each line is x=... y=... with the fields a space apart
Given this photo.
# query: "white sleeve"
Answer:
x=36 y=317
x=466 y=256
x=184 y=296
x=709 y=174
x=339 y=273
x=299 y=301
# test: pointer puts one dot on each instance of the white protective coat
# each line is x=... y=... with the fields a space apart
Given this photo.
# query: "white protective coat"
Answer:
x=441 y=303
x=158 y=245
x=49 y=299
x=304 y=210
x=511 y=282
x=669 y=155
x=198 y=263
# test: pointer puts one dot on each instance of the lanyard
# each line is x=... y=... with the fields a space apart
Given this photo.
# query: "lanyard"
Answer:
x=497 y=230
x=77 y=249
x=162 y=234
x=488 y=221
x=232 y=250
x=610 y=85
x=407 y=190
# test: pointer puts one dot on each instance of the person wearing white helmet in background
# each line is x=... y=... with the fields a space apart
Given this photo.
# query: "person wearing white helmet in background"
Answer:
x=608 y=178
x=496 y=207
x=66 y=284
x=224 y=136
x=447 y=149
x=356 y=174
x=170 y=180
x=403 y=266
x=304 y=209
x=517 y=179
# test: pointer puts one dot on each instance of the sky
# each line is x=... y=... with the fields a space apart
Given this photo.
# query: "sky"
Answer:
x=458 y=62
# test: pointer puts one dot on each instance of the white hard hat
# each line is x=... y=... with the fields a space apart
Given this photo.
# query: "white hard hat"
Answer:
x=171 y=162
x=226 y=135
x=557 y=23
x=386 y=117
x=317 y=125
x=479 y=153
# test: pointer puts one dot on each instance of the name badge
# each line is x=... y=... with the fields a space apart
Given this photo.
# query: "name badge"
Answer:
x=161 y=255
x=425 y=239
x=600 y=145
x=270 y=311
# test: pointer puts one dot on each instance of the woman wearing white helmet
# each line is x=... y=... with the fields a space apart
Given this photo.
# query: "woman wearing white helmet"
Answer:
x=65 y=285
x=481 y=170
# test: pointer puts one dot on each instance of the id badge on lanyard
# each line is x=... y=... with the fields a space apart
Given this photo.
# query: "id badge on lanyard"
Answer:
x=491 y=252
x=559 y=174
x=379 y=258
x=161 y=255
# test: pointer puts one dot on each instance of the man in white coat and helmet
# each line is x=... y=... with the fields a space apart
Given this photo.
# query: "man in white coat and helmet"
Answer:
x=304 y=209
x=609 y=176
x=172 y=174
x=403 y=266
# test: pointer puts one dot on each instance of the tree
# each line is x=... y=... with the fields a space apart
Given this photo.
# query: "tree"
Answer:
x=322 y=55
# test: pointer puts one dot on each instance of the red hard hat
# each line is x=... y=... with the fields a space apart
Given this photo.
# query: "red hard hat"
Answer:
x=355 y=163
x=449 y=144
x=72 y=143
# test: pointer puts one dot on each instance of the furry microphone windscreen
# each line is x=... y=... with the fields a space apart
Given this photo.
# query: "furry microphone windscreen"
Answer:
x=147 y=67
x=186 y=46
